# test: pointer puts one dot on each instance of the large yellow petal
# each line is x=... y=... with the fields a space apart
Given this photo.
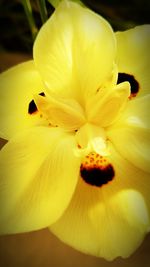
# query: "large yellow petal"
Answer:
x=111 y=220
x=131 y=133
x=38 y=174
x=74 y=51
x=133 y=55
x=17 y=87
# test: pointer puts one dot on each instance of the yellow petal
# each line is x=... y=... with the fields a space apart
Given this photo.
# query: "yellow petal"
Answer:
x=133 y=55
x=38 y=172
x=17 y=87
x=111 y=220
x=104 y=108
x=131 y=133
x=66 y=113
x=74 y=51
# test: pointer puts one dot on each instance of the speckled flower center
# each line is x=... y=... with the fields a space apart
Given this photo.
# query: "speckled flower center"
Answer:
x=96 y=170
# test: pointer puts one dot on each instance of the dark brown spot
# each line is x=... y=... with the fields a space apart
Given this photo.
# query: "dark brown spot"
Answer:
x=97 y=175
x=32 y=108
x=42 y=94
x=122 y=77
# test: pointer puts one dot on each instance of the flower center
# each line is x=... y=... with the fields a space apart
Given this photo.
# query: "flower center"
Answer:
x=96 y=170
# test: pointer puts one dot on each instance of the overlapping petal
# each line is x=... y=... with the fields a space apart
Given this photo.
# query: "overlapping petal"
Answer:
x=131 y=133
x=133 y=57
x=65 y=113
x=62 y=51
x=109 y=221
x=104 y=108
x=38 y=173
x=17 y=87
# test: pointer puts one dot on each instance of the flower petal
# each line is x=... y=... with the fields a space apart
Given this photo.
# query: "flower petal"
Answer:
x=38 y=173
x=109 y=221
x=65 y=113
x=62 y=51
x=131 y=133
x=104 y=108
x=17 y=87
x=133 y=55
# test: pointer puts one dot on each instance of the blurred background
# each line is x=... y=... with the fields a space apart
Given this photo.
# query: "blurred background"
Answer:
x=16 y=39
x=41 y=248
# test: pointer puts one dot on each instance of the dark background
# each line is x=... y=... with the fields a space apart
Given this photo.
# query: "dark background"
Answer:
x=15 y=33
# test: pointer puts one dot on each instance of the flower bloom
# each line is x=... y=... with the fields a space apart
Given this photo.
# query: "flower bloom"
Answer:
x=77 y=120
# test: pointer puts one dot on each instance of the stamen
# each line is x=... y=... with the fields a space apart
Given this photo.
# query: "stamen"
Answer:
x=122 y=77
x=96 y=170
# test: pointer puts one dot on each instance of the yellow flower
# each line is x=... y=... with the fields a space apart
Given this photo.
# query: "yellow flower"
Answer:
x=77 y=121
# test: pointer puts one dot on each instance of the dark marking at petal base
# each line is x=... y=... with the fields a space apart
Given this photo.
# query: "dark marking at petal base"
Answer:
x=123 y=77
x=42 y=94
x=32 y=108
x=97 y=175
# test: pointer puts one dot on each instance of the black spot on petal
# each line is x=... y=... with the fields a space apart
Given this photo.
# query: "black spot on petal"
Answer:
x=32 y=107
x=97 y=175
x=42 y=94
x=123 y=77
